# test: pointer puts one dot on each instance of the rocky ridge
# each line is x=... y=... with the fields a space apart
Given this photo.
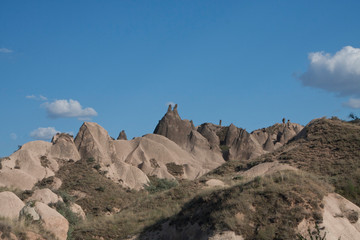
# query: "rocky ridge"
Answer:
x=179 y=151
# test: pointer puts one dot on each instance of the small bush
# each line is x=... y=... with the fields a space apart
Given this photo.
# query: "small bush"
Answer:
x=44 y=161
x=100 y=189
x=97 y=167
x=174 y=169
x=90 y=160
x=158 y=185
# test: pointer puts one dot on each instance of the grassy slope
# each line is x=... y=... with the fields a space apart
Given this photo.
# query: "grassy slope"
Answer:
x=264 y=208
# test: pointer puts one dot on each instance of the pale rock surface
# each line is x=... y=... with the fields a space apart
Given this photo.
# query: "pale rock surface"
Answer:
x=77 y=209
x=151 y=153
x=56 y=184
x=64 y=148
x=226 y=235
x=52 y=221
x=33 y=236
x=340 y=218
x=29 y=211
x=266 y=168
x=45 y=195
x=215 y=183
x=10 y=205
x=93 y=141
x=277 y=134
x=243 y=145
x=37 y=160
x=184 y=133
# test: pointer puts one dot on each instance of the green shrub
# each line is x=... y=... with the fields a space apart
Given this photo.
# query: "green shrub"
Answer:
x=97 y=166
x=158 y=185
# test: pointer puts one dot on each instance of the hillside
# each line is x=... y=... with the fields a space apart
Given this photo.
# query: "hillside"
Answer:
x=187 y=182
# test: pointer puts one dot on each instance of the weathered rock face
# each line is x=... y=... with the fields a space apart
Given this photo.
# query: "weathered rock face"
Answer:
x=93 y=141
x=52 y=221
x=122 y=136
x=64 y=147
x=157 y=156
x=242 y=145
x=238 y=144
x=340 y=219
x=277 y=135
x=77 y=209
x=174 y=128
x=45 y=195
x=37 y=160
x=10 y=205
x=184 y=133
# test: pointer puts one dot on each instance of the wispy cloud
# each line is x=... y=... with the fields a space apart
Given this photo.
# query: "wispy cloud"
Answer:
x=68 y=109
x=43 y=133
x=13 y=136
x=5 y=50
x=352 y=103
x=38 y=98
x=338 y=73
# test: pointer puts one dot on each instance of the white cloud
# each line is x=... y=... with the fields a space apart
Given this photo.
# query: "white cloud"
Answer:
x=43 y=133
x=339 y=73
x=5 y=50
x=43 y=98
x=31 y=97
x=39 y=98
x=67 y=109
x=352 y=103
x=13 y=136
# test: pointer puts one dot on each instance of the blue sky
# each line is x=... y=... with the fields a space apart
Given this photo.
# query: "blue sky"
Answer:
x=119 y=63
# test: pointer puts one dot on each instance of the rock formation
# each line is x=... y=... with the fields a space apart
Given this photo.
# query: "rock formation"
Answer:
x=174 y=128
x=37 y=160
x=52 y=221
x=45 y=195
x=94 y=142
x=234 y=143
x=122 y=136
x=184 y=133
x=10 y=205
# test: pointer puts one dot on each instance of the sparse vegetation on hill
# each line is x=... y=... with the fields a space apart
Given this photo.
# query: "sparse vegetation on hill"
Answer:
x=264 y=208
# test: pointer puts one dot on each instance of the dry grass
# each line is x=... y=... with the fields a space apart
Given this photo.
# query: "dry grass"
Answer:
x=19 y=229
x=264 y=208
x=144 y=212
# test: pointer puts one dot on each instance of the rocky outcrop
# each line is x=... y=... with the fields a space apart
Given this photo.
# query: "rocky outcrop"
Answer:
x=122 y=136
x=94 y=142
x=45 y=195
x=174 y=128
x=10 y=205
x=237 y=144
x=77 y=209
x=157 y=156
x=52 y=221
x=129 y=162
x=184 y=133
x=340 y=219
x=29 y=211
x=277 y=135
x=37 y=160
x=64 y=148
